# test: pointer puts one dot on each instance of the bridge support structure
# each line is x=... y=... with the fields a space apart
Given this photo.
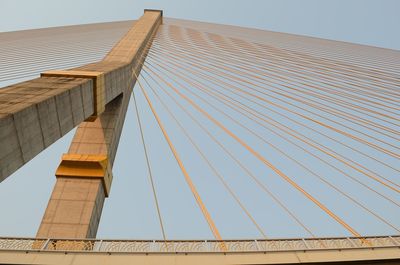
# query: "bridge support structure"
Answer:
x=85 y=173
x=36 y=113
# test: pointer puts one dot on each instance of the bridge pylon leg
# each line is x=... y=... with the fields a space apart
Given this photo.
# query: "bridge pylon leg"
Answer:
x=84 y=175
x=84 y=178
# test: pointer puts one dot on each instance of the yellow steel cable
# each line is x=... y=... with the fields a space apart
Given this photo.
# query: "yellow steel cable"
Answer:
x=242 y=59
x=258 y=182
x=299 y=46
x=260 y=57
x=176 y=71
x=272 y=103
x=238 y=79
x=336 y=156
x=188 y=179
x=335 y=111
x=219 y=82
x=297 y=58
x=149 y=168
x=252 y=68
x=210 y=52
x=262 y=159
x=232 y=77
x=283 y=153
x=215 y=171
x=241 y=165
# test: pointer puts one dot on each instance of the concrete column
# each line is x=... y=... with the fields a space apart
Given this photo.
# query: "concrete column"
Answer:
x=74 y=209
x=75 y=206
x=84 y=175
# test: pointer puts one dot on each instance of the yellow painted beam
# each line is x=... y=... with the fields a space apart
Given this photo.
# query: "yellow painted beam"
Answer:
x=86 y=166
x=98 y=86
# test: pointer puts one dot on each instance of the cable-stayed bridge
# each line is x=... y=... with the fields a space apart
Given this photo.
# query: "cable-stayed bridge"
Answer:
x=287 y=132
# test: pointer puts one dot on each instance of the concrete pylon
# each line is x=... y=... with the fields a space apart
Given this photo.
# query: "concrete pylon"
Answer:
x=84 y=175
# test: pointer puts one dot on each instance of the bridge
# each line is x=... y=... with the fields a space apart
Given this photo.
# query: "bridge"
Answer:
x=316 y=119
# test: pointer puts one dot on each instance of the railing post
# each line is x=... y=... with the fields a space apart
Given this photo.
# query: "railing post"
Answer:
x=208 y=247
x=257 y=245
x=351 y=242
x=305 y=243
x=45 y=244
x=154 y=246
x=98 y=246
x=394 y=241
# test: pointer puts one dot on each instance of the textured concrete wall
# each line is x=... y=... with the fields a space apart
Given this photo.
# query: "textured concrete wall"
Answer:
x=34 y=114
x=74 y=209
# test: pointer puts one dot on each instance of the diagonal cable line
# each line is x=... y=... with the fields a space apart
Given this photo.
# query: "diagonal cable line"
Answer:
x=262 y=159
x=149 y=168
x=188 y=179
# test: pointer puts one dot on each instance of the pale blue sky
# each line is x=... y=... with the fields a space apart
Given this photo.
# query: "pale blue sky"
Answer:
x=24 y=195
x=373 y=22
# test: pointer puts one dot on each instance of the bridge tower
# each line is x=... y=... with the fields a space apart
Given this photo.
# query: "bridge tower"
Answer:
x=299 y=71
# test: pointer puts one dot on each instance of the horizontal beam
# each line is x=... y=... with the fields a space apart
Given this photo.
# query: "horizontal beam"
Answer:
x=98 y=86
x=86 y=167
x=36 y=113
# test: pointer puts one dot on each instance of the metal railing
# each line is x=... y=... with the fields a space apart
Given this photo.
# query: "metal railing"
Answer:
x=196 y=246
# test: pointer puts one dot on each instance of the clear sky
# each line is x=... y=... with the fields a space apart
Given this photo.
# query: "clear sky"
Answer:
x=22 y=199
x=373 y=22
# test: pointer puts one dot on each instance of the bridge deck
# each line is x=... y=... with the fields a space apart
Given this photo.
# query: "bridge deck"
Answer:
x=346 y=250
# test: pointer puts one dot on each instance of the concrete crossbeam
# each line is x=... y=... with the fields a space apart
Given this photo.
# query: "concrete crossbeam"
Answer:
x=98 y=86
x=36 y=113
